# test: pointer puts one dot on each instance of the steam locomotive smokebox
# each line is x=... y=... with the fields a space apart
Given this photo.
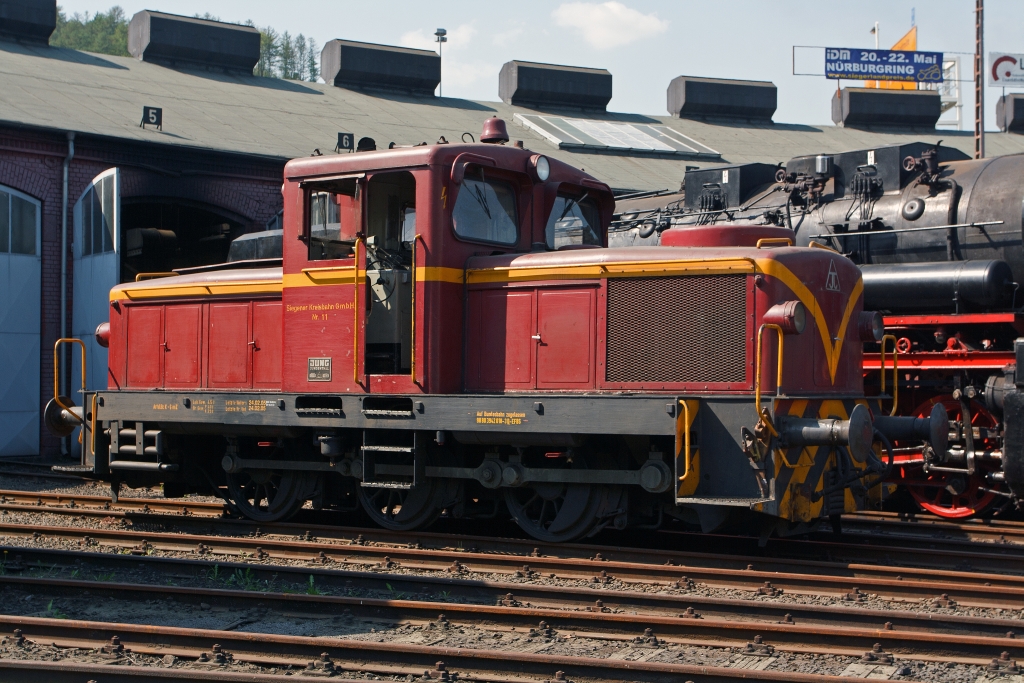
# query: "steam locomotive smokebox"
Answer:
x=1010 y=113
x=350 y=64
x=731 y=184
x=528 y=84
x=869 y=108
x=29 y=21
x=184 y=41
x=256 y=245
x=887 y=161
x=699 y=98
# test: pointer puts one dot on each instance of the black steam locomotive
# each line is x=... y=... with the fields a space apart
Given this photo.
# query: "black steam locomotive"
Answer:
x=940 y=241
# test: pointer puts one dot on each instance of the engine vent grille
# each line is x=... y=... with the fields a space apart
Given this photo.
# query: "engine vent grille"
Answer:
x=677 y=329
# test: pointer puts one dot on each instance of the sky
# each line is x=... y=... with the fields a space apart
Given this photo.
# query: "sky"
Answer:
x=643 y=43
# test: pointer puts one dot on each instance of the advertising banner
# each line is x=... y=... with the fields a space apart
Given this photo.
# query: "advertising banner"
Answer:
x=1006 y=69
x=883 y=65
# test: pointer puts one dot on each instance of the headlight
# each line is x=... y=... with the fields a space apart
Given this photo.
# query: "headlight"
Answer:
x=541 y=167
x=791 y=316
x=870 y=327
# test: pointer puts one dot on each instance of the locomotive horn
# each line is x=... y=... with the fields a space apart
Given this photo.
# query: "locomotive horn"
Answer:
x=934 y=429
x=857 y=433
x=59 y=421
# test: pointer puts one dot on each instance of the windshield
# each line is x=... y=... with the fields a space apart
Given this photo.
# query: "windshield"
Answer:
x=485 y=210
x=573 y=222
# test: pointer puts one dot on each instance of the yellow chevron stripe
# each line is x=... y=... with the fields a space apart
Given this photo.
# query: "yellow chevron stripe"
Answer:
x=833 y=347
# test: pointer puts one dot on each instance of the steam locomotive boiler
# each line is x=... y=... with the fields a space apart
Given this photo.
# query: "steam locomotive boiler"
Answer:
x=448 y=332
x=938 y=237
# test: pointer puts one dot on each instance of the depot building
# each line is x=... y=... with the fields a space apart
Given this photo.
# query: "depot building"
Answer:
x=114 y=167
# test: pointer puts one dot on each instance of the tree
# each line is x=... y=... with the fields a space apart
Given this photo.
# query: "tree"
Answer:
x=281 y=55
x=103 y=32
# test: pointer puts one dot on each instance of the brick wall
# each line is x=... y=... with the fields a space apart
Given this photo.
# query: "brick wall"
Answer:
x=31 y=161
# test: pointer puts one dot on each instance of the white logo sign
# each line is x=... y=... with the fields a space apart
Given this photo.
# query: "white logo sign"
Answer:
x=1005 y=69
x=832 y=281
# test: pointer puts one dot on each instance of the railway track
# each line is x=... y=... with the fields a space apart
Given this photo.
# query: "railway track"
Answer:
x=890 y=550
x=717 y=571
x=827 y=636
x=225 y=650
x=686 y=600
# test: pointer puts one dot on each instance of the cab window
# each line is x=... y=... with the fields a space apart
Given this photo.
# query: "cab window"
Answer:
x=485 y=211
x=573 y=221
x=333 y=219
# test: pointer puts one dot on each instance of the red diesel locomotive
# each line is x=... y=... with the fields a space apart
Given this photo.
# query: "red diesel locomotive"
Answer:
x=448 y=331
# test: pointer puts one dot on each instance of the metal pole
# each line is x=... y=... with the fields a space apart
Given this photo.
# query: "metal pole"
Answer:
x=979 y=90
x=64 y=271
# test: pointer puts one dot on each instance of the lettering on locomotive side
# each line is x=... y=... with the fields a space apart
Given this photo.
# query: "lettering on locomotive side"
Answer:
x=319 y=370
x=245 y=406
x=335 y=306
x=490 y=417
x=203 y=405
x=165 y=406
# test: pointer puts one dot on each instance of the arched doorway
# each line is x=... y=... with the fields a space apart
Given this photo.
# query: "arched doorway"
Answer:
x=20 y=278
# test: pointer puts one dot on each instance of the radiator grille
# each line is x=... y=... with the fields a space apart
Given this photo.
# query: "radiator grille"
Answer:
x=677 y=329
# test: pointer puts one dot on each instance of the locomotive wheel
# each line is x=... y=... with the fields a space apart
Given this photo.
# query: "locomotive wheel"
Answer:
x=268 y=495
x=401 y=509
x=555 y=513
x=948 y=494
x=407 y=509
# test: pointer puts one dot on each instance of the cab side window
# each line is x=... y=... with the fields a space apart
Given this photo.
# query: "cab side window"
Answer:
x=333 y=219
x=573 y=222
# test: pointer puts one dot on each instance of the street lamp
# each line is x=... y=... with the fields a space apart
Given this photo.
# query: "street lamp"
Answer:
x=442 y=37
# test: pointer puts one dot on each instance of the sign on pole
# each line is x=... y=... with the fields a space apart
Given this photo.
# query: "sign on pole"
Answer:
x=883 y=65
x=1006 y=69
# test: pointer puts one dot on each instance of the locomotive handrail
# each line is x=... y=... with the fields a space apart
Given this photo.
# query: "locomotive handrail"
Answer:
x=153 y=276
x=819 y=245
x=769 y=241
x=763 y=413
x=875 y=233
x=355 y=312
x=687 y=466
x=895 y=368
x=56 y=371
x=412 y=305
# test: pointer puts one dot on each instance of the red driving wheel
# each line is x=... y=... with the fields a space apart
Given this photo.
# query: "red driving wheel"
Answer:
x=946 y=494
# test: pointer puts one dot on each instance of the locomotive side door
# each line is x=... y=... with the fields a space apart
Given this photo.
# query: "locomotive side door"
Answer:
x=390 y=239
x=322 y=304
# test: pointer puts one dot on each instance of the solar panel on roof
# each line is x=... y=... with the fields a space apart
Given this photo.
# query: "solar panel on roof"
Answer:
x=569 y=133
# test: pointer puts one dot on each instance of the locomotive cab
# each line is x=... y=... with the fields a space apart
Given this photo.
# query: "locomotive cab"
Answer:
x=448 y=332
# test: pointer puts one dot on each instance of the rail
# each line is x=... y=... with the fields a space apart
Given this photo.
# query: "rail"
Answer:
x=762 y=413
x=412 y=305
x=895 y=368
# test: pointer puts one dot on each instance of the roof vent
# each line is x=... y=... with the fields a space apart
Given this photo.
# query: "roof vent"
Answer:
x=349 y=64
x=173 y=40
x=1010 y=113
x=875 y=108
x=719 y=98
x=27 y=20
x=540 y=86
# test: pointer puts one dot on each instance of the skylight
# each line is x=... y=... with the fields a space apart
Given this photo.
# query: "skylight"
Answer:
x=569 y=133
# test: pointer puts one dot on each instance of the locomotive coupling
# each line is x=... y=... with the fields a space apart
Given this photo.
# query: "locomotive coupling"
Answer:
x=934 y=429
x=857 y=433
x=60 y=421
